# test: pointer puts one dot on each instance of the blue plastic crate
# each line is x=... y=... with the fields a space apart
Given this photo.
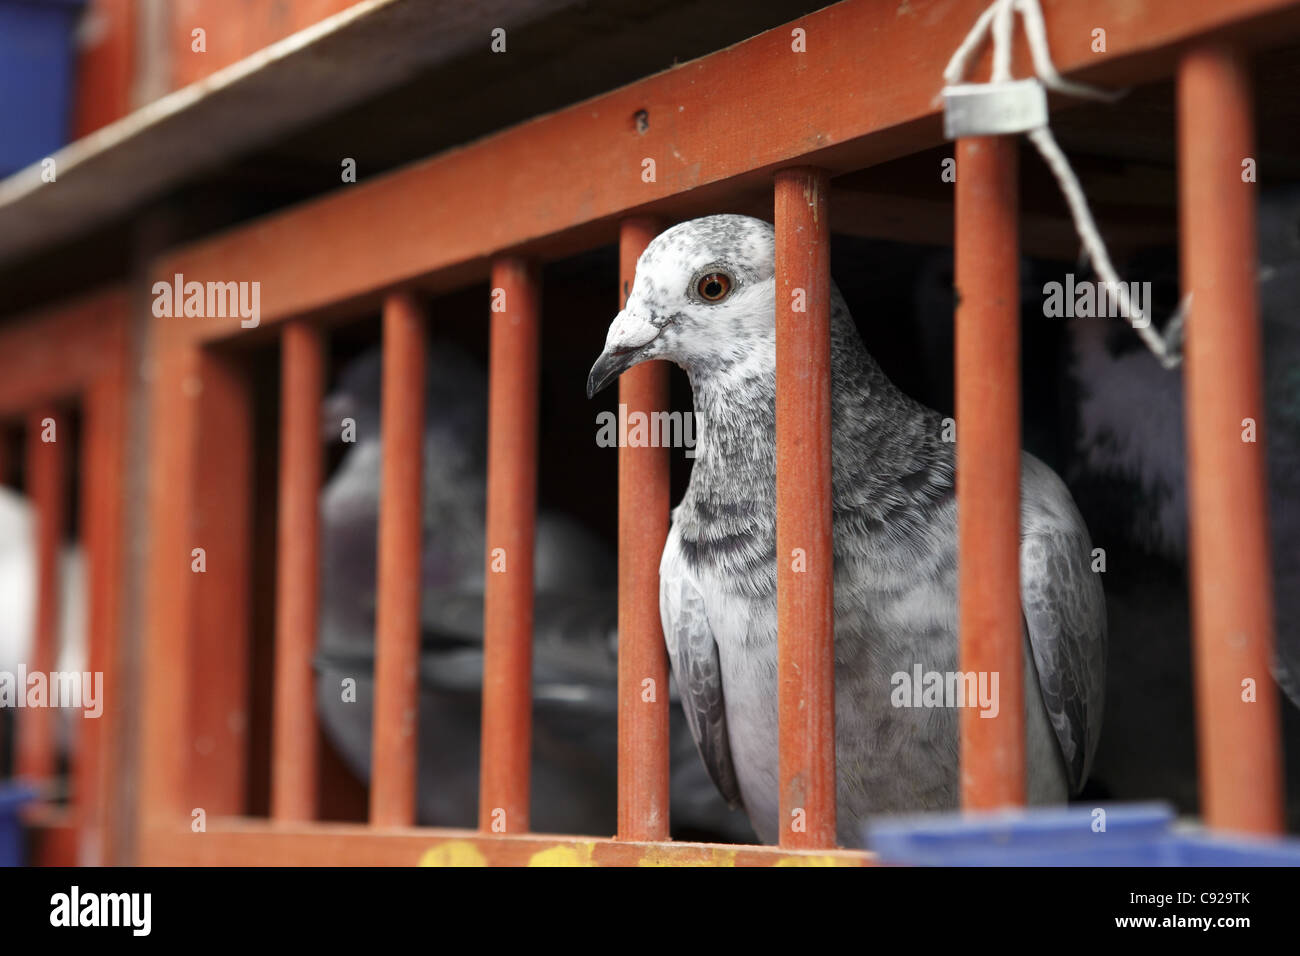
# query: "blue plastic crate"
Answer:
x=1134 y=835
x=12 y=798
x=37 y=78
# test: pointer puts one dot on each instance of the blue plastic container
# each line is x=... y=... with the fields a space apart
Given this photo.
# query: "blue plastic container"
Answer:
x=37 y=78
x=12 y=798
x=1134 y=835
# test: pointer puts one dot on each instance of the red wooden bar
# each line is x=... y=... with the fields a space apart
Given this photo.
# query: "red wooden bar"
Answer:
x=988 y=465
x=165 y=758
x=1232 y=600
x=217 y=717
x=88 y=770
x=295 y=748
x=397 y=619
x=643 y=505
x=511 y=519
x=98 y=765
x=194 y=762
x=805 y=598
x=47 y=475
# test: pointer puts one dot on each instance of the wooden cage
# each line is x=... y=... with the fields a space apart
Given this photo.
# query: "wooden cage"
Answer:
x=754 y=117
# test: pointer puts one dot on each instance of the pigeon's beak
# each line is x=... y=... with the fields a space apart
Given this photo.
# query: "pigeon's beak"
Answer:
x=631 y=335
x=611 y=364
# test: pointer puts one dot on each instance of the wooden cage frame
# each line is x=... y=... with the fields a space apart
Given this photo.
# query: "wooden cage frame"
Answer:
x=74 y=355
x=570 y=181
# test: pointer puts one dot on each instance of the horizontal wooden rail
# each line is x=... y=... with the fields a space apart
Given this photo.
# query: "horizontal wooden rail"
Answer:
x=863 y=92
x=237 y=842
x=56 y=352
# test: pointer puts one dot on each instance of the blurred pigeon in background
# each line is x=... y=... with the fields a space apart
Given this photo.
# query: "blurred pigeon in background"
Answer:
x=575 y=674
x=704 y=297
x=1129 y=475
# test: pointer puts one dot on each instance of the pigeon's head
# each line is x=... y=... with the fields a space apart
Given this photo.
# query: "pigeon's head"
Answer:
x=703 y=297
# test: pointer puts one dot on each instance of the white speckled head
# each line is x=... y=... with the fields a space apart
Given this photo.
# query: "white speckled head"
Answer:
x=703 y=297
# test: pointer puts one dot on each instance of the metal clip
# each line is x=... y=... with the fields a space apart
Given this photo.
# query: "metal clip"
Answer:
x=993 y=109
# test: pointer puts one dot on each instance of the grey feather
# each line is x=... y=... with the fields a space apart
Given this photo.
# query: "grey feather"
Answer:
x=1065 y=615
x=694 y=657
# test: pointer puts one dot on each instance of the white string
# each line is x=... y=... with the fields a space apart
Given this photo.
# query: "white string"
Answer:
x=998 y=20
x=1095 y=246
x=956 y=69
x=1003 y=28
x=1036 y=33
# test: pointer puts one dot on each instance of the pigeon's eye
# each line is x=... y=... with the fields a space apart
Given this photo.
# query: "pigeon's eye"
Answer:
x=713 y=287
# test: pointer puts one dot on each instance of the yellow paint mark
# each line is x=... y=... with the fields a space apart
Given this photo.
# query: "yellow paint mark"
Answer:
x=814 y=861
x=453 y=853
x=662 y=856
x=577 y=854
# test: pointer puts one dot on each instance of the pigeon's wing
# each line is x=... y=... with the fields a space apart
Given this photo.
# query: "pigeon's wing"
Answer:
x=575 y=644
x=694 y=657
x=1065 y=614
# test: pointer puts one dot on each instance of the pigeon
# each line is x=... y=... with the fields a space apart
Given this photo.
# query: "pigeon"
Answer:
x=704 y=297
x=1128 y=471
x=575 y=651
